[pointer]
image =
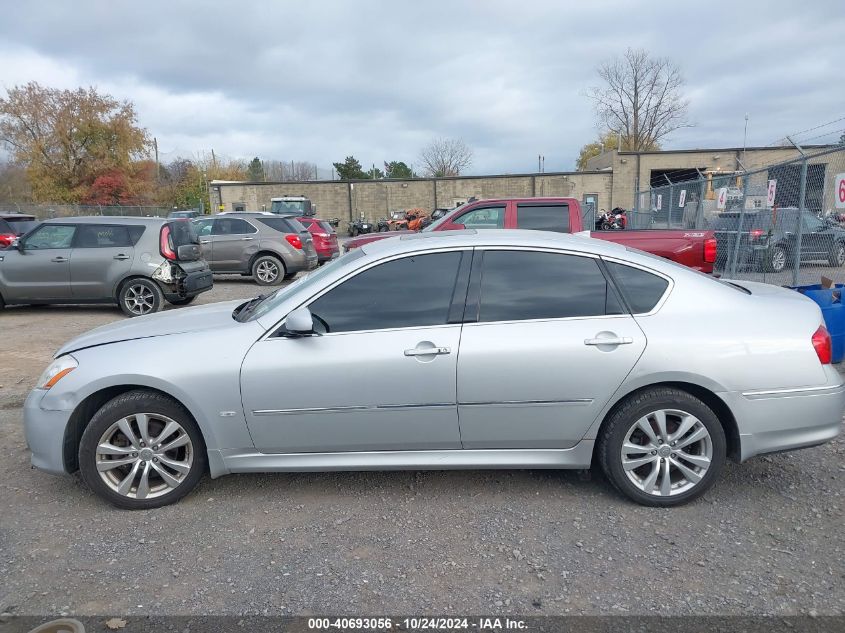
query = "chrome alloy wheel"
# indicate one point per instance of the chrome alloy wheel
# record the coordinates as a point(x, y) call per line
point(267, 271)
point(139, 299)
point(667, 452)
point(778, 260)
point(144, 455)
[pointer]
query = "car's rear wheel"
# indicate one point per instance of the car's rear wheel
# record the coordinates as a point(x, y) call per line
point(836, 256)
point(353, 231)
point(138, 297)
point(142, 450)
point(182, 302)
point(663, 447)
point(776, 260)
point(268, 270)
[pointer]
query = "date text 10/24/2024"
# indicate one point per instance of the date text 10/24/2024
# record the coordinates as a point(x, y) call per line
point(418, 624)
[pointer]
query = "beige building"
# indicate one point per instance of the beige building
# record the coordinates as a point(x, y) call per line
point(610, 180)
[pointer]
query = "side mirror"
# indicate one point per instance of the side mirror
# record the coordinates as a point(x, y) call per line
point(300, 322)
point(18, 244)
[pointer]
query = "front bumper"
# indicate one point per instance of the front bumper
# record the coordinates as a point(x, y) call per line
point(45, 433)
point(787, 419)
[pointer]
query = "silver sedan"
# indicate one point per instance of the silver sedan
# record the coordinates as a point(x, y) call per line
point(502, 349)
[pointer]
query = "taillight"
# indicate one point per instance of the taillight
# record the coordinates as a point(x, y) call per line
point(164, 244)
point(756, 234)
point(710, 250)
point(294, 241)
point(822, 345)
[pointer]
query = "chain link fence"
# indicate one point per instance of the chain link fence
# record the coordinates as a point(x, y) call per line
point(783, 223)
point(48, 211)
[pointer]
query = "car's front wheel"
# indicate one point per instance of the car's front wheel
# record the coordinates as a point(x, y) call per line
point(268, 270)
point(662, 447)
point(142, 450)
point(138, 297)
point(776, 260)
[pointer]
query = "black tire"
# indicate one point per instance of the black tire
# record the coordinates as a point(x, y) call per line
point(182, 302)
point(268, 270)
point(353, 231)
point(775, 260)
point(2, 303)
point(383, 229)
point(139, 297)
point(127, 405)
point(836, 256)
point(605, 226)
point(620, 424)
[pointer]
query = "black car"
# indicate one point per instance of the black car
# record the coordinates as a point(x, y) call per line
point(768, 239)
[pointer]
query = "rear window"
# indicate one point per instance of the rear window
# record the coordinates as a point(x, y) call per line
point(21, 227)
point(181, 232)
point(543, 217)
point(641, 289)
point(283, 225)
point(5, 228)
point(328, 228)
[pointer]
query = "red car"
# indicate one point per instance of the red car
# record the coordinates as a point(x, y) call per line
point(13, 225)
point(695, 248)
point(324, 236)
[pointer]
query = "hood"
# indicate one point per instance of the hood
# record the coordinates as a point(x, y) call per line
point(208, 317)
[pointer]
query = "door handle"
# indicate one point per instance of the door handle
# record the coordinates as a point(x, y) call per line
point(428, 351)
point(121, 256)
point(59, 259)
point(247, 239)
point(618, 340)
point(205, 241)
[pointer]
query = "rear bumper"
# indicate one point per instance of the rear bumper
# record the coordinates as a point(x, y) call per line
point(787, 419)
point(300, 260)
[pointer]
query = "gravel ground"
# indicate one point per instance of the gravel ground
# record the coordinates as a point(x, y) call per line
point(766, 540)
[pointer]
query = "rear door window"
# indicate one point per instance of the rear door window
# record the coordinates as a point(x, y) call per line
point(522, 285)
point(642, 289)
point(232, 226)
point(539, 217)
point(102, 236)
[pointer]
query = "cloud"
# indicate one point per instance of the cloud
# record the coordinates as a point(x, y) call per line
point(321, 80)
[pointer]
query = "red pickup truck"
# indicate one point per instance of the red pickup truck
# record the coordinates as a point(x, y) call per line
point(693, 248)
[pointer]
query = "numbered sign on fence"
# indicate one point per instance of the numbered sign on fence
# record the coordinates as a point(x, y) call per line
point(770, 193)
point(682, 198)
point(659, 204)
point(839, 191)
point(722, 198)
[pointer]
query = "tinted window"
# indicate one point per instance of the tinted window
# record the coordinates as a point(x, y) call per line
point(203, 227)
point(181, 232)
point(518, 285)
point(22, 226)
point(232, 226)
point(326, 227)
point(543, 218)
point(102, 236)
point(408, 292)
point(642, 289)
point(5, 228)
point(487, 218)
point(282, 225)
point(51, 236)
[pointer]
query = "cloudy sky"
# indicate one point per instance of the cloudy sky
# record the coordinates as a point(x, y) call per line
point(318, 80)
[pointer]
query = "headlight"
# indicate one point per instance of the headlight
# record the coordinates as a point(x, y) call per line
point(57, 370)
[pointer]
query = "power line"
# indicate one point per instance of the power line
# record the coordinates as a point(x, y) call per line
point(811, 129)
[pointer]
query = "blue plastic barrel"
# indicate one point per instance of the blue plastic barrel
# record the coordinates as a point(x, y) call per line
point(833, 310)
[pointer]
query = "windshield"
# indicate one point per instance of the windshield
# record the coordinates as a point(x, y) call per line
point(302, 207)
point(277, 298)
point(433, 226)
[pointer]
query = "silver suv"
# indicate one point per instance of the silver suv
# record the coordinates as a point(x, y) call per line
point(137, 263)
point(268, 246)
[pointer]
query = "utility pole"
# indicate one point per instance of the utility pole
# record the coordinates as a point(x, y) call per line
point(213, 159)
point(158, 169)
point(744, 137)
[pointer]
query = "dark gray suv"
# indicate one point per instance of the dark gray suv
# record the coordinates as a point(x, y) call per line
point(268, 246)
point(137, 263)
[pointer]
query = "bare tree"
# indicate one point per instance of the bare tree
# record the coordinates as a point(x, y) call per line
point(445, 157)
point(289, 171)
point(641, 99)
